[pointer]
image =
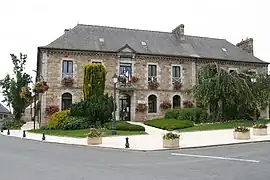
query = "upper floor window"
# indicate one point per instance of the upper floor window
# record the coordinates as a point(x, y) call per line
point(176, 74)
point(67, 68)
point(152, 72)
point(125, 69)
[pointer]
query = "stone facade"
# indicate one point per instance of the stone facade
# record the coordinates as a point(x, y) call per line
point(51, 70)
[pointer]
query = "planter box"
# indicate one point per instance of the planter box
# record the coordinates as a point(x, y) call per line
point(259, 131)
point(241, 135)
point(94, 141)
point(170, 143)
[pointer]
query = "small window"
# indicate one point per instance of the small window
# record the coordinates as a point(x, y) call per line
point(66, 101)
point(152, 104)
point(67, 68)
point(152, 72)
point(176, 74)
point(96, 62)
point(5, 115)
point(231, 70)
point(1, 116)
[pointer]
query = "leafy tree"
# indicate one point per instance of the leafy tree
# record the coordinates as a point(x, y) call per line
point(12, 86)
point(231, 95)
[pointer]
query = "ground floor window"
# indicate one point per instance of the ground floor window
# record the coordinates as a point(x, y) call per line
point(66, 101)
point(176, 101)
point(152, 104)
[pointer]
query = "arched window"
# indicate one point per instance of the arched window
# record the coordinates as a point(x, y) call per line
point(152, 104)
point(176, 101)
point(66, 101)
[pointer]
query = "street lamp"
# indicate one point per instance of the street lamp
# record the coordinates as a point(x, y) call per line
point(253, 80)
point(115, 80)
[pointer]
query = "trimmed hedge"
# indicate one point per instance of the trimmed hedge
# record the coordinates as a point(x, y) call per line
point(197, 115)
point(124, 126)
point(169, 124)
point(73, 123)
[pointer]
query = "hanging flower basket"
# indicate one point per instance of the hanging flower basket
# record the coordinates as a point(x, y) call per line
point(134, 79)
point(51, 109)
point(41, 87)
point(68, 81)
point(177, 85)
point(188, 104)
point(153, 85)
point(141, 107)
point(26, 93)
point(165, 105)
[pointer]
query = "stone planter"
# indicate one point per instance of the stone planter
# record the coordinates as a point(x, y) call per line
point(259, 131)
point(241, 135)
point(170, 143)
point(94, 140)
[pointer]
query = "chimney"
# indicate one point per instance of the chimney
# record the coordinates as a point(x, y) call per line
point(246, 45)
point(179, 32)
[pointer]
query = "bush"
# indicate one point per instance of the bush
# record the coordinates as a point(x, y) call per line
point(96, 109)
point(124, 126)
point(197, 115)
point(73, 123)
point(57, 119)
point(12, 125)
point(169, 124)
point(171, 135)
point(93, 132)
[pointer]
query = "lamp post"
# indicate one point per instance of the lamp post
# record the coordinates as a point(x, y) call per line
point(115, 80)
point(253, 80)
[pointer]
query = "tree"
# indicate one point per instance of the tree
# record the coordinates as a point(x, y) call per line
point(94, 80)
point(231, 95)
point(13, 86)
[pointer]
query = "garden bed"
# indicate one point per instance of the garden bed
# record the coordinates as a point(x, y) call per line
point(169, 124)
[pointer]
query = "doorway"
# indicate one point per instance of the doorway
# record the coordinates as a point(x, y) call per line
point(124, 107)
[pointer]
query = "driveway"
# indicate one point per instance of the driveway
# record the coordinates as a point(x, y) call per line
point(31, 160)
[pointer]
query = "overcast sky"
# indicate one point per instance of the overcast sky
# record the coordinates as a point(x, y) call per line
point(27, 24)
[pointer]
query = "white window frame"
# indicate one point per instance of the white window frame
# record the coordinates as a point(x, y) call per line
point(234, 69)
point(63, 75)
point(153, 77)
point(181, 73)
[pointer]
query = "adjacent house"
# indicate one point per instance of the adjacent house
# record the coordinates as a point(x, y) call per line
point(154, 68)
point(4, 112)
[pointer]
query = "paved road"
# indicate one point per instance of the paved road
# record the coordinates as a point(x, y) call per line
point(30, 160)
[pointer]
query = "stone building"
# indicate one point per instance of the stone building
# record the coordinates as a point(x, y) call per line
point(168, 58)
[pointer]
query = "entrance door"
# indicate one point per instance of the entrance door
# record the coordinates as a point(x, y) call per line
point(124, 107)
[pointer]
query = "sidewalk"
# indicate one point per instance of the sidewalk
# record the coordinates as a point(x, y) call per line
point(152, 141)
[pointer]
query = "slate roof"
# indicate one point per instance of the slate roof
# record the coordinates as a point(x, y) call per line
point(87, 37)
point(3, 109)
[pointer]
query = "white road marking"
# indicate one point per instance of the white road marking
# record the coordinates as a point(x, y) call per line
point(215, 157)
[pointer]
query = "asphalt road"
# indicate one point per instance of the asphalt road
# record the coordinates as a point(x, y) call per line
point(31, 160)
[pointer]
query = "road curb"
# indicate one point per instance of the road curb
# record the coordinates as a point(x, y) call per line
point(139, 150)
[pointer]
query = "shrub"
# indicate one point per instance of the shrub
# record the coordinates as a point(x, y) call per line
point(12, 125)
point(94, 133)
point(56, 120)
point(241, 129)
point(171, 135)
point(259, 126)
point(169, 124)
point(96, 109)
point(73, 123)
point(197, 115)
point(124, 126)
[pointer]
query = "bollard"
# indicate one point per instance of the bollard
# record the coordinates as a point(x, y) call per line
point(127, 143)
point(2, 130)
point(43, 137)
point(24, 135)
point(8, 132)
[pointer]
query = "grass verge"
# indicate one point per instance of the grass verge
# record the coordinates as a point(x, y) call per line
point(82, 132)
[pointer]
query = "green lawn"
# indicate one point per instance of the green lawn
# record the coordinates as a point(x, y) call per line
point(218, 126)
point(83, 132)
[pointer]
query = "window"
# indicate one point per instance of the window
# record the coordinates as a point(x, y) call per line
point(176, 101)
point(152, 104)
point(1, 116)
point(152, 72)
point(231, 70)
point(66, 101)
point(176, 74)
point(125, 69)
point(67, 68)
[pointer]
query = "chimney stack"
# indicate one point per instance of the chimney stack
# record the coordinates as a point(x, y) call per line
point(179, 32)
point(246, 45)
point(66, 30)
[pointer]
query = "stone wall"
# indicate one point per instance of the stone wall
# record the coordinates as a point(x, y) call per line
point(52, 73)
